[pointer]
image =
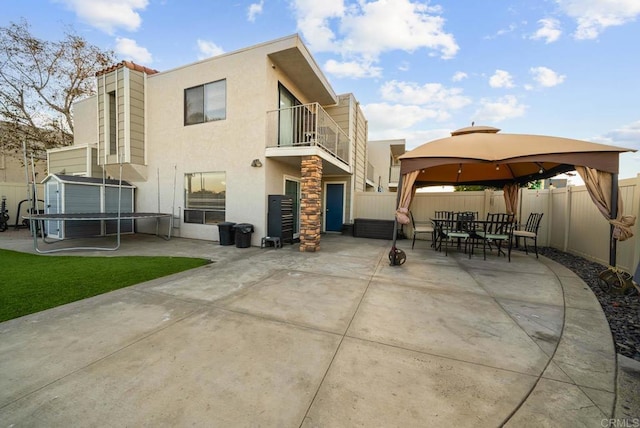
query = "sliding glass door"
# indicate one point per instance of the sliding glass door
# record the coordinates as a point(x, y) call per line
point(287, 125)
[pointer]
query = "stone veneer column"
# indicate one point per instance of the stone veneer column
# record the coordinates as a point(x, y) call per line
point(310, 203)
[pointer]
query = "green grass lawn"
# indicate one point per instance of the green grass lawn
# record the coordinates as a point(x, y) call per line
point(31, 283)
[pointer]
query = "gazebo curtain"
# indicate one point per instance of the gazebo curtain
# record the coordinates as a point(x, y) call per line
point(511, 198)
point(598, 185)
point(406, 195)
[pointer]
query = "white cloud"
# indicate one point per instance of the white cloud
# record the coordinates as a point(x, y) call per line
point(629, 137)
point(433, 95)
point(384, 116)
point(501, 79)
point(549, 30)
point(594, 16)
point(546, 77)
point(365, 29)
point(386, 25)
point(413, 137)
point(129, 49)
point(497, 110)
point(459, 75)
point(353, 69)
point(208, 49)
point(313, 21)
point(108, 15)
point(511, 28)
point(254, 10)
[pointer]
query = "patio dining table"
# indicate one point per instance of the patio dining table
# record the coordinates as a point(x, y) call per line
point(477, 229)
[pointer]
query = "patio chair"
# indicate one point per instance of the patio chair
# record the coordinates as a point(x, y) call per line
point(530, 231)
point(497, 229)
point(421, 228)
point(439, 221)
point(458, 228)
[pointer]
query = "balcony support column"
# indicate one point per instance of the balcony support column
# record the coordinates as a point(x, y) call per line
point(310, 203)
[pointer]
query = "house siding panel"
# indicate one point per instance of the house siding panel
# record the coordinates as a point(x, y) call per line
point(70, 161)
point(136, 117)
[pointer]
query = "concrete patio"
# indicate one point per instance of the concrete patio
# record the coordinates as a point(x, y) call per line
point(337, 338)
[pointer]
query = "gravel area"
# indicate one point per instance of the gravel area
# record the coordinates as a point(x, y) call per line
point(622, 312)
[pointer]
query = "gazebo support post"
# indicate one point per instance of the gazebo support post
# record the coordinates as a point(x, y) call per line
point(614, 214)
point(397, 257)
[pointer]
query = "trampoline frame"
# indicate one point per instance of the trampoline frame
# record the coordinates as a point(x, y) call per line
point(91, 217)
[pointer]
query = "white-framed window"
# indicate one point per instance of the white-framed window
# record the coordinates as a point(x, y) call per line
point(205, 103)
point(205, 195)
point(113, 123)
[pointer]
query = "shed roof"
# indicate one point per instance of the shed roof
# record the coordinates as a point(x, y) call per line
point(128, 64)
point(77, 179)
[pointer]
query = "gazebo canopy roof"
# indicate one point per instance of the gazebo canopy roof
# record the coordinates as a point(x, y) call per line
point(482, 155)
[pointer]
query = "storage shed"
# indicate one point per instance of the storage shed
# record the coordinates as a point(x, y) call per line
point(68, 194)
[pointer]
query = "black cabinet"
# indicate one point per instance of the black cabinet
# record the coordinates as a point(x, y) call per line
point(280, 217)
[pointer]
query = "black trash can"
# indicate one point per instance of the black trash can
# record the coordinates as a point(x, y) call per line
point(243, 234)
point(227, 233)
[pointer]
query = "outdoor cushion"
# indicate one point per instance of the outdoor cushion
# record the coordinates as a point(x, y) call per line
point(524, 233)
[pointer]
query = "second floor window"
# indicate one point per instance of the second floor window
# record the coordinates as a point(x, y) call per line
point(205, 103)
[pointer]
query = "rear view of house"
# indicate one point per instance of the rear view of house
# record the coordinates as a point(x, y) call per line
point(210, 141)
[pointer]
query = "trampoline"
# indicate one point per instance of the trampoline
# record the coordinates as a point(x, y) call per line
point(41, 218)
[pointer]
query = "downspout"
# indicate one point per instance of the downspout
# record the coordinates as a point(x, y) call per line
point(355, 165)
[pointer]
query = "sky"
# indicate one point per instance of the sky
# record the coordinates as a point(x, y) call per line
point(420, 69)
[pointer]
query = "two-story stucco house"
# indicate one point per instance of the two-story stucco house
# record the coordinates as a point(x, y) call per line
point(210, 141)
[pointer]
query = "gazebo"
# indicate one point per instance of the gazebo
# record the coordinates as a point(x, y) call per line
point(481, 155)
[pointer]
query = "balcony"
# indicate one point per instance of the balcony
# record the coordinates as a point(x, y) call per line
point(371, 181)
point(394, 175)
point(307, 130)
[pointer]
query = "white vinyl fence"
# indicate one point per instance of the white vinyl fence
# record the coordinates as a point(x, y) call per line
point(571, 221)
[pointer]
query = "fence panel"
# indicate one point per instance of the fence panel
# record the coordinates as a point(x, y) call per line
point(571, 221)
point(380, 206)
point(16, 192)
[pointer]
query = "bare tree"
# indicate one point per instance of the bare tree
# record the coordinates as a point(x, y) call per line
point(39, 82)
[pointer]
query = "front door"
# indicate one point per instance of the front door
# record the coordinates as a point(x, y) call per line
point(334, 207)
point(52, 206)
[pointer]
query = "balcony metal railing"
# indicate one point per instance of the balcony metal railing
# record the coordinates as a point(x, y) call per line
point(307, 125)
